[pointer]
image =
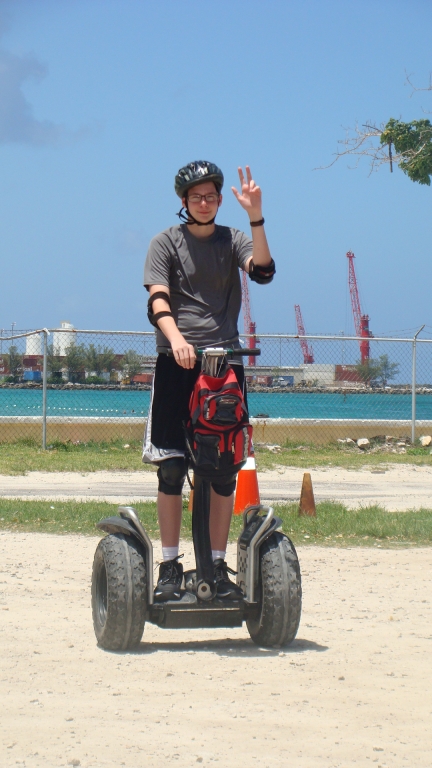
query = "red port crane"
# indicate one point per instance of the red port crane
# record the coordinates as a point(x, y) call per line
point(361, 322)
point(307, 350)
point(249, 325)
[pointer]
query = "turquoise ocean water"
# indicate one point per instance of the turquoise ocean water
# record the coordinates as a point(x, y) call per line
point(119, 404)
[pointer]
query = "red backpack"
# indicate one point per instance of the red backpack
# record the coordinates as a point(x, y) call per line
point(219, 433)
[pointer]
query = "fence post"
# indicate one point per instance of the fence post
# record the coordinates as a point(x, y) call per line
point(413, 385)
point(44, 387)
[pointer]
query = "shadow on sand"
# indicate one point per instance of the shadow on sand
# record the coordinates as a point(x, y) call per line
point(226, 647)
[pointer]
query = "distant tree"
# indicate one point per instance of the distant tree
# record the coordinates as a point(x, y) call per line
point(380, 370)
point(108, 360)
point(413, 146)
point(131, 363)
point(75, 362)
point(408, 145)
point(14, 363)
point(55, 363)
point(368, 371)
point(387, 370)
point(100, 359)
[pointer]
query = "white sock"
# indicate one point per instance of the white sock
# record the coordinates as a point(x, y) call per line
point(169, 553)
point(218, 553)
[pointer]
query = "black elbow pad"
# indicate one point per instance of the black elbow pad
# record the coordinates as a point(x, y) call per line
point(262, 275)
point(153, 318)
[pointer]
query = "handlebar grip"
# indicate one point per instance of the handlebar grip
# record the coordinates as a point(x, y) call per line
point(237, 352)
point(255, 352)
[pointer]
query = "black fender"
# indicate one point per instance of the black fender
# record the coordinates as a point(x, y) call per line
point(128, 523)
point(120, 525)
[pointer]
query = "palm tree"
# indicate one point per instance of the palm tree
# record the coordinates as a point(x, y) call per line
point(100, 359)
point(131, 363)
point(15, 363)
point(75, 362)
point(55, 364)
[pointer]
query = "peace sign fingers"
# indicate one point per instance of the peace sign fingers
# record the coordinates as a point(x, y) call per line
point(249, 180)
point(250, 197)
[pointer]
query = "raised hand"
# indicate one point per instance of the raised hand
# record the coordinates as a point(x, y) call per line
point(250, 197)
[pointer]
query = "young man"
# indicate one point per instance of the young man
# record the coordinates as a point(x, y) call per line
point(191, 273)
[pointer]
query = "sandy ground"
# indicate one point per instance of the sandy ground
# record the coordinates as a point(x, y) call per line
point(394, 487)
point(353, 689)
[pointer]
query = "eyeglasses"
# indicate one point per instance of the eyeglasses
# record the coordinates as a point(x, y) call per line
point(211, 198)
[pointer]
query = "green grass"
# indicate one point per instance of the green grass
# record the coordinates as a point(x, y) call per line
point(27, 456)
point(334, 525)
point(308, 456)
point(67, 517)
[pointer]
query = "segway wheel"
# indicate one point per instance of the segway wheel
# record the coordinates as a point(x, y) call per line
point(119, 593)
point(277, 618)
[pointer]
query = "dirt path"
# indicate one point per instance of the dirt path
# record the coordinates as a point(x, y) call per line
point(394, 487)
point(353, 689)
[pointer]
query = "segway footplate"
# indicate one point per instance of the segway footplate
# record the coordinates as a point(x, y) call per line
point(189, 613)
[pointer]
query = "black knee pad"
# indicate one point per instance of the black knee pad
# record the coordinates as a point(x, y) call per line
point(225, 486)
point(171, 475)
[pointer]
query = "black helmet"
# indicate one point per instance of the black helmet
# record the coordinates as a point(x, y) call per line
point(197, 172)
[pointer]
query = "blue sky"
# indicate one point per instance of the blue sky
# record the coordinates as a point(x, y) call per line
point(101, 101)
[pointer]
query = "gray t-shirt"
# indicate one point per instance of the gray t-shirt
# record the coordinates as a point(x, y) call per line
point(204, 281)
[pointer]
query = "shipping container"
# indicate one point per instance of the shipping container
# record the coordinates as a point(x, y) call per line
point(264, 381)
point(142, 378)
point(348, 373)
point(32, 376)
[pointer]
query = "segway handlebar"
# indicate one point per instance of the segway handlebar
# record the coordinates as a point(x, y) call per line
point(219, 351)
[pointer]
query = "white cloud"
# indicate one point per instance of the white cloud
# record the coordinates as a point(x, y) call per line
point(17, 121)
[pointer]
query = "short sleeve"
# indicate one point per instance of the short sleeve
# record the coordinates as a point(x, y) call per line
point(243, 247)
point(158, 262)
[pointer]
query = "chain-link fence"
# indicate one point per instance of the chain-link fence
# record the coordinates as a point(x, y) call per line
point(71, 385)
point(320, 389)
point(82, 386)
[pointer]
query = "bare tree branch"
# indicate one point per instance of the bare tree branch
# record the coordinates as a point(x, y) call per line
point(414, 90)
point(414, 87)
point(360, 143)
point(396, 142)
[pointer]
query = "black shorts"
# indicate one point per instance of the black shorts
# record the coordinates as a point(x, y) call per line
point(172, 388)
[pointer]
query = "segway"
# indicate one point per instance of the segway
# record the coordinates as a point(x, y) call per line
point(268, 570)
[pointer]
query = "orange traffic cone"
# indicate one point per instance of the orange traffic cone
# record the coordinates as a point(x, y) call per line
point(307, 501)
point(247, 491)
